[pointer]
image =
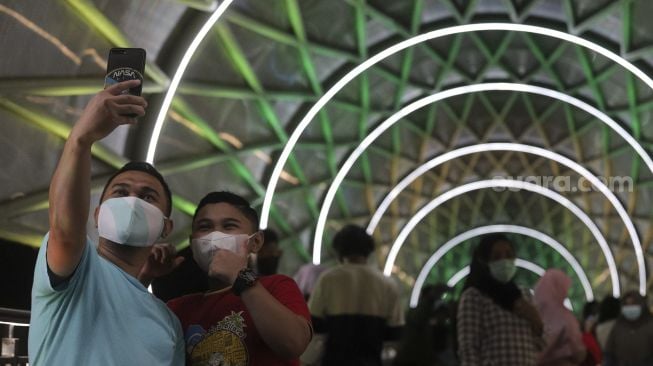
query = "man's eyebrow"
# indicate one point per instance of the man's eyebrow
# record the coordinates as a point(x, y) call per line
point(119, 185)
point(147, 189)
point(202, 221)
point(231, 219)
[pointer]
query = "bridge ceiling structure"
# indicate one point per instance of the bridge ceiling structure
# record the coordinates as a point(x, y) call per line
point(270, 98)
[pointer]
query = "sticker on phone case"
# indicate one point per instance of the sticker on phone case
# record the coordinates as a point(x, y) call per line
point(123, 74)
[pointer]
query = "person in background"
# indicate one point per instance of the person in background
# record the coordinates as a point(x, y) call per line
point(243, 319)
point(608, 313)
point(429, 335)
point(267, 258)
point(631, 340)
point(88, 307)
point(562, 333)
point(306, 277)
point(354, 304)
point(187, 278)
point(496, 325)
point(590, 320)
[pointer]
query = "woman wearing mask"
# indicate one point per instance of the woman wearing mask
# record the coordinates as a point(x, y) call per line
point(631, 341)
point(496, 324)
point(589, 321)
point(564, 342)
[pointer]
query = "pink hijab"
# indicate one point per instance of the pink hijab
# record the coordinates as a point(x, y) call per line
point(561, 329)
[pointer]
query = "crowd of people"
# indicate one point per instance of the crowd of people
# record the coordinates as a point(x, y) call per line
point(226, 303)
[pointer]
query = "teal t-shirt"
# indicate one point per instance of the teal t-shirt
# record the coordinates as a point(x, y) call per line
point(100, 316)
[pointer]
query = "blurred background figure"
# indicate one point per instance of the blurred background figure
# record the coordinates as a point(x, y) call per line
point(609, 311)
point(631, 340)
point(562, 333)
point(590, 321)
point(354, 305)
point(428, 338)
point(307, 276)
point(496, 325)
point(186, 279)
point(267, 259)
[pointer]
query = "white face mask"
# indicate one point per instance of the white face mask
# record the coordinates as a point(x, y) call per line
point(130, 221)
point(203, 248)
point(503, 270)
point(631, 312)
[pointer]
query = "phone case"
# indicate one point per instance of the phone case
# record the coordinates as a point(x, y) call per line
point(125, 64)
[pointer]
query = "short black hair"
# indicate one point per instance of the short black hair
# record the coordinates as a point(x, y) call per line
point(590, 308)
point(233, 199)
point(352, 241)
point(609, 309)
point(147, 168)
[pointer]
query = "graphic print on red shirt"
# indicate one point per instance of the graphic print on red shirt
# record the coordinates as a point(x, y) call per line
point(220, 331)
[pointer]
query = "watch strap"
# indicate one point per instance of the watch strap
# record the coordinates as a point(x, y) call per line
point(246, 278)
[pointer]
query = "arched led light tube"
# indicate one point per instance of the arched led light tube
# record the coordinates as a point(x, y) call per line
point(521, 230)
point(505, 183)
point(374, 134)
point(274, 178)
point(521, 263)
point(480, 148)
point(480, 27)
point(179, 73)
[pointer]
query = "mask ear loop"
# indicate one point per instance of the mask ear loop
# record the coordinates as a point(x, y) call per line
point(252, 235)
point(163, 231)
point(251, 256)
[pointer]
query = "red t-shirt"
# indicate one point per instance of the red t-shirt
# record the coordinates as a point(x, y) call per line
point(218, 328)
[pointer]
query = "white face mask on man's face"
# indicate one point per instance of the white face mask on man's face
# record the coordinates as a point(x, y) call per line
point(130, 221)
point(204, 247)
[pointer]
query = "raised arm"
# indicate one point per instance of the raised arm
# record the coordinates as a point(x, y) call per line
point(70, 185)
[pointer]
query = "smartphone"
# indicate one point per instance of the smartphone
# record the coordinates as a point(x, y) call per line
point(126, 64)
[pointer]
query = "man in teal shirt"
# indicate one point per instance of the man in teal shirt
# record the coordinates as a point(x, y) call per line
point(88, 307)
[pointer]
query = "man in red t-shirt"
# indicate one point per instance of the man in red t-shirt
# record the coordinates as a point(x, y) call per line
point(243, 319)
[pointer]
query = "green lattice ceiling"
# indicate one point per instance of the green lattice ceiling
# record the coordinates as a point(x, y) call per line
point(266, 62)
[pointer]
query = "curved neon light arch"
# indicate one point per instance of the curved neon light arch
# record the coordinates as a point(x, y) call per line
point(505, 183)
point(179, 73)
point(222, 7)
point(515, 229)
point(320, 103)
point(516, 87)
point(454, 154)
point(521, 263)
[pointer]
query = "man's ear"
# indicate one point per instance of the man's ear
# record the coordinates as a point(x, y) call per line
point(256, 242)
point(168, 225)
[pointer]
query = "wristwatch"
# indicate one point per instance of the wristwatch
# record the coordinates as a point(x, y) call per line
point(246, 278)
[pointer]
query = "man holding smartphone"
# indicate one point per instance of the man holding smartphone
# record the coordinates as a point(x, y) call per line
point(88, 307)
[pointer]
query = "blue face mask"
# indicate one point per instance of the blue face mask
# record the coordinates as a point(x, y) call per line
point(503, 270)
point(631, 312)
point(130, 221)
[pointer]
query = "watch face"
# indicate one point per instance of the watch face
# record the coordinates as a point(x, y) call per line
point(246, 279)
point(248, 275)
